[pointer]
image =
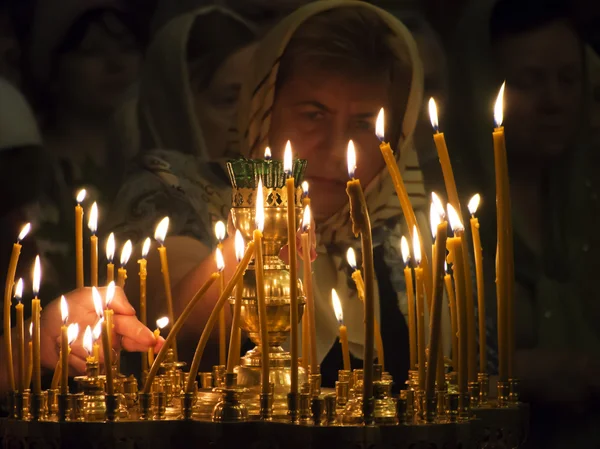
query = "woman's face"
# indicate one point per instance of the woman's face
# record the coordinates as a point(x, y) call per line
point(217, 106)
point(94, 77)
point(319, 112)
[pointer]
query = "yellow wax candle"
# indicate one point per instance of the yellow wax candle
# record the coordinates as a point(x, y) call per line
point(235, 336)
point(305, 324)
point(110, 254)
point(10, 279)
point(453, 322)
point(407, 210)
point(106, 348)
point(305, 197)
point(20, 336)
point(435, 367)
point(93, 227)
point(361, 224)
point(57, 371)
point(62, 366)
point(79, 238)
point(308, 287)
point(36, 310)
point(125, 255)
point(66, 340)
point(504, 257)
point(88, 344)
point(96, 334)
point(410, 299)
point(293, 264)
point(30, 362)
point(160, 324)
point(159, 235)
point(420, 310)
point(143, 273)
point(220, 235)
point(473, 205)
point(337, 308)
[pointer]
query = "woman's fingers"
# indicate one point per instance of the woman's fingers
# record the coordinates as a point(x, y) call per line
point(76, 365)
point(135, 336)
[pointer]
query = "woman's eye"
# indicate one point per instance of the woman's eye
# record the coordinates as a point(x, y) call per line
point(314, 115)
point(365, 125)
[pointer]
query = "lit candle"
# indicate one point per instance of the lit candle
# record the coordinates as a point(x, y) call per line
point(453, 318)
point(305, 197)
point(308, 287)
point(96, 334)
point(35, 318)
point(30, 364)
point(360, 290)
point(160, 235)
point(143, 276)
point(79, 238)
point(160, 324)
point(435, 366)
point(98, 306)
point(20, 335)
point(93, 227)
point(88, 343)
point(305, 323)
point(69, 337)
point(410, 299)
point(473, 205)
point(407, 210)
point(236, 332)
point(64, 337)
point(109, 313)
point(361, 224)
point(110, 255)
point(504, 258)
point(125, 255)
point(456, 257)
point(420, 309)
point(106, 348)
point(337, 308)
point(220, 235)
point(10, 280)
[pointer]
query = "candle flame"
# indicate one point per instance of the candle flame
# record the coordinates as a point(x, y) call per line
point(24, 231)
point(37, 276)
point(436, 213)
point(287, 159)
point(97, 302)
point(146, 247)
point(351, 258)
point(160, 234)
point(433, 115)
point(259, 217)
point(81, 196)
point(337, 306)
point(439, 205)
point(305, 188)
point(268, 154)
point(161, 323)
point(30, 329)
point(93, 220)
point(110, 247)
point(219, 259)
point(306, 217)
point(499, 107)
point(379, 125)
point(239, 245)
point(405, 250)
point(72, 332)
point(64, 309)
point(88, 342)
point(19, 289)
point(220, 231)
point(455, 222)
point(474, 203)
point(110, 292)
point(126, 252)
point(445, 267)
point(416, 245)
point(97, 332)
point(351, 157)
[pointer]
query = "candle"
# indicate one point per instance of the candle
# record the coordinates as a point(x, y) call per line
point(473, 205)
point(337, 308)
point(125, 255)
point(360, 290)
point(79, 238)
point(93, 227)
point(35, 318)
point(453, 318)
point(58, 370)
point(420, 309)
point(143, 276)
point(410, 299)
point(236, 334)
point(305, 323)
point(100, 312)
point(189, 388)
point(110, 255)
point(260, 287)
point(504, 257)
point(361, 224)
point(159, 235)
point(435, 366)
point(71, 336)
point(160, 324)
point(20, 336)
point(106, 348)
point(456, 257)
point(96, 334)
point(109, 313)
point(407, 210)
point(88, 343)
point(30, 364)
point(308, 287)
point(10, 279)
point(305, 197)
point(220, 235)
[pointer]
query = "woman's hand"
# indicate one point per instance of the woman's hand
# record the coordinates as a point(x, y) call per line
point(129, 333)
